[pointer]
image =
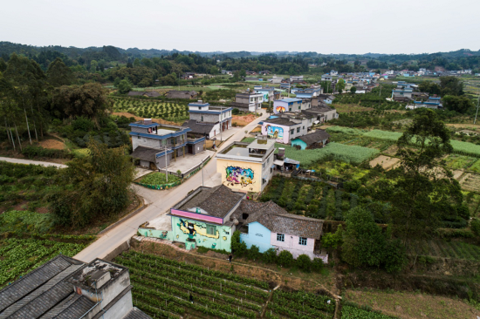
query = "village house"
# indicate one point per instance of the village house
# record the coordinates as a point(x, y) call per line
point(64, 287)
point(269, 226)
point(433, 102)
point(173, 94)
point(247, 166)
point(155, 145)
point(317, 139)
point(326, 77)
point(321, 114)
point(326, 98)
point(285, 127)
point(248, 101)
point(275, 80)
point(287, 105)
point(269, 93)
point(204, 115)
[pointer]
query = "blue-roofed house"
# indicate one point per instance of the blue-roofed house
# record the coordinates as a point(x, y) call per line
point(287, 105)
point(156, 145)
point(433, 102)
point(269, 93)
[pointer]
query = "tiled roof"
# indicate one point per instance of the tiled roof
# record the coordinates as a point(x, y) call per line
point(216, 201)
point(281, 121)
point(278, 220)
point(145, 153)
point(198, 127)
point(136, 314)
point(77, 307)
point(314, 137)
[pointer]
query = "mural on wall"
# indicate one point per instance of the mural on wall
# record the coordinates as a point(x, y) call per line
point(238, 175)
point(274, 132)
point(193, 229)
point(280, 109)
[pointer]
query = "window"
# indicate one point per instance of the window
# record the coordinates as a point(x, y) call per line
point(211, 230)
point(201, 119)
point(299, 107)
point(302, 241)
point(303, 128)
point(298, 129)
point(199, 107)
point(292, 131)
point(280, 237)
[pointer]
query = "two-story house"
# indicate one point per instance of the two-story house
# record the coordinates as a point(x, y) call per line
point(248, 101)
point(285, 128)
point(208, 120)
point(287, 105)
point(156, 145)
point(269, 93)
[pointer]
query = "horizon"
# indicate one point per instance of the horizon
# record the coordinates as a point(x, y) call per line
point(341, 27)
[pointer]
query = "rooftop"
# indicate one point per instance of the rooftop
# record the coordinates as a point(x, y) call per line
point(289, 99)
point(258, 149)
point(217, 201)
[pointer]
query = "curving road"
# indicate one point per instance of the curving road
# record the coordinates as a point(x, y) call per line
point(159, 203)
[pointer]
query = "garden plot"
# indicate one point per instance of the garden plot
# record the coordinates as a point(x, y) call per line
point(448, 249)
point(457, 162)
point(170, 111)
point(163, 288)
point(475, 167)
point(299, 305)
point(470, 182)
point(385, 161)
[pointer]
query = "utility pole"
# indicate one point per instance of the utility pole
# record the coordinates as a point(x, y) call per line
point(476, 113)
point(221, 124)
point(166, 162)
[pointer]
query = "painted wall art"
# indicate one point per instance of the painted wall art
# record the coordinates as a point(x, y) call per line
point(238, 175)
point(274, 132)
point(280, 109)
point(194, 229)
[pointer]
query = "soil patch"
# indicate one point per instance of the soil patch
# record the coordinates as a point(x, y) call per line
point(42, 210)
point(385, 161)
point(52, 144)
point(243, 120)
point(412, 305)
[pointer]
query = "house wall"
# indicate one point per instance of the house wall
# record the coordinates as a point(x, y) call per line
point(156, 143)
point(281, 133)
point(280, 107)
point(232, 172)
point(209, 118)
point(161, 162)
point(258, 235)
point(291, 244)
point(120, 308)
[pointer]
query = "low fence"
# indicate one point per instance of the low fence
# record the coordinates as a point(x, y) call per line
point(183, 177)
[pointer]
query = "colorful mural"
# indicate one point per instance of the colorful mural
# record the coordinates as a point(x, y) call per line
point(280, 109)
point(238, 175)
point(274, 132)
point(193, 229)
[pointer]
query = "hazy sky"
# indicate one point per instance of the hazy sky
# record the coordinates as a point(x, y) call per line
point(332, 26)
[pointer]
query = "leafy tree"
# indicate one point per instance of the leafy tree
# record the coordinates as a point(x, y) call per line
point(353, 89)
point(426, 189)
point(285, 258)
point(430, 87)
point(89, 100)
point(59, 74)
point(363, 242)
point(95, 186)
point(237, 247)
point(333, 240)
point(304, 262)
point(124, 86)
point(451, 85)
point(93, 66)
point(116, 82)
point(3, 65)
point(395, 256)
point(460, 104)
point(341, 85)
point(270, 256)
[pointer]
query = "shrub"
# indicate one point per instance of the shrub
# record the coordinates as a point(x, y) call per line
point(304, 262)
point(237, 247)
point(254, 253)
point(317, 264)
point(475, 226)
point(270, 256)
point(235, 111)
point(285, 258)
point(83, 124)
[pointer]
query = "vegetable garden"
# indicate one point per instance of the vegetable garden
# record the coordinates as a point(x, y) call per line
point(300, 305)
point(169, 111)
point(20, 255)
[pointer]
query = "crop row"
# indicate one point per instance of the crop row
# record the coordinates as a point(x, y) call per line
point(350, 312)
point(319, 302)
point(189, 276)
point(217, 274)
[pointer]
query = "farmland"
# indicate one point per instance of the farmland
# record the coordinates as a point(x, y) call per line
point(169, 111)
point(448, 249)
point(21, 255)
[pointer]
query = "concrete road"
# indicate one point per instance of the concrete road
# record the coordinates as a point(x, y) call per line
point(159, 203)
point(27, 162)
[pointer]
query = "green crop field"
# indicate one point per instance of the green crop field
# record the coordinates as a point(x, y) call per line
point(455, 161)
point(162, 289)
point(449, 249)
point(350, 312)
point(19, 256)
point(169, 111)
point(476, 166)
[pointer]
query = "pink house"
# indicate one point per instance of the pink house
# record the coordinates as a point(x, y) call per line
point(267, 225)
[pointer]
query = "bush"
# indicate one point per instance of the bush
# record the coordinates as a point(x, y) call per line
point(317, 264)
point(475, 226)
point(254, 253)
point(237, 247)
point(304, 262)
point(285, 258)
point(270, 256)
point(83, 124)
point(38, 151)
point(235, 111)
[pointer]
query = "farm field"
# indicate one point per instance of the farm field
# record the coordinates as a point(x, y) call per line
point(454, 161)
point(475, 167)
point(347, 108)
point(449, 249)
point(385, 161)
point(168, 111)
point(406, 305)
point(19, 256)
point(470, 182)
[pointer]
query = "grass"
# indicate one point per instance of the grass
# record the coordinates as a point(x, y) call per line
point(158, 178)
point(80, 152)
point(412, 305)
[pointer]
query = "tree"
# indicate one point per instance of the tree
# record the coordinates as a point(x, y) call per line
point(363, 242)
point(116, 82)
point(460, 104)
point(341, 85)
point(353, 89)
point(425, 189)
point(430, 87)
point(89, 100)
point(124, 86)
point(59, 74)
point(451, 85)
point(94, 187)
point(93, 66)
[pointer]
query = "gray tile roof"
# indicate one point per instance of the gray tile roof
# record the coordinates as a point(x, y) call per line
point(145, 153)
point(281, 121)
point(317, 136)
point(136, 314)
point(199, 127)
point(23, 287)
point(217, 201)
point(278, 220)
point(77, 308)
